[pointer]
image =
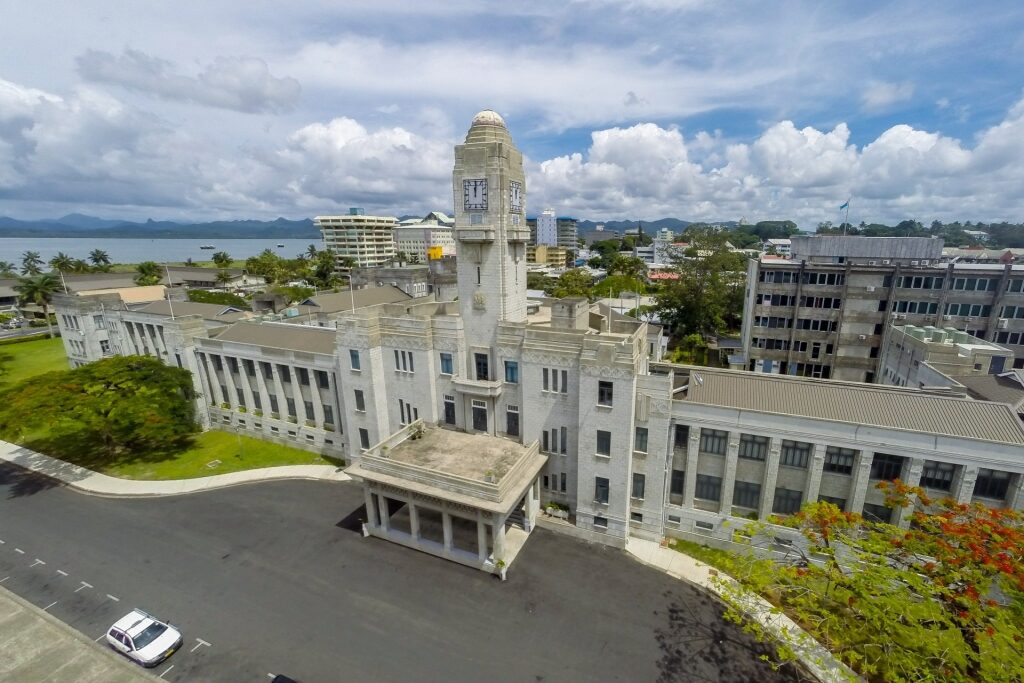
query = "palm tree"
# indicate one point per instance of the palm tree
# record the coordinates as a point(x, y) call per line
point(80, 266)
point(61, 262)
point(311, 250)
point(98, 257)
point(7, 269)
point(224, 278)
point(148, 273)
point(222, 259)
point(39, 290)
point(30, 263)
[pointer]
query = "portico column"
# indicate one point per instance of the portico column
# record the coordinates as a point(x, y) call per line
point(771, 475)
point(371, 513)
point(729, 476)
point(499, 539)
point(913, 478)
point(859, 485)
point(385, 517)
point(481, 538)
point(446, 525)
point(963, 485)
point(229, 381)
point(692, 452)
point(246, 381)
point(815, 468)
point(279, 395)
point(414, 521)
point(316, 396)
point(214, 380)
point(261, 388)
point(300, 403)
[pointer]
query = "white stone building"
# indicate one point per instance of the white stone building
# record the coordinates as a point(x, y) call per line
point(462, 417)
point(425, 238)
point(366, 240)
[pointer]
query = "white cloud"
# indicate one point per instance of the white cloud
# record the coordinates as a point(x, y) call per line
point(880, 95)
point(239, 83)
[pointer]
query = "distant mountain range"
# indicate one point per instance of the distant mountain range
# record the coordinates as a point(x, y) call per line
point(80, 225)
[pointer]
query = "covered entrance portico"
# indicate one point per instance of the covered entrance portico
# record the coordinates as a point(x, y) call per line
point(469, 498)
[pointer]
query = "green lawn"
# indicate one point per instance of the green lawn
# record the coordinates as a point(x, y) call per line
point(233, 452)
point(27, 359)
point(720, 559)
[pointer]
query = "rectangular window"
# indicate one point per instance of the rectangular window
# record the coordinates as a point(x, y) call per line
point(240, 395)
point(233, 364)
point(636, 517)
point(268, 372)
point(682, 437)
point(482, 363)
point(795, 453)
point(217, 365)
point(746, 494)
point(787, 501)
point(105, 350)
point(250, 367)
point(562, 482)
point(937, 475)
point(447, 366)
point(708, 487)
point(360, 400)
point(562, 448)
point(511, 372)
point(713, 441)
point(753, 447)
point(838, 502)
point(322, 379)
point(601, 522)
point(604, 393)
point(639, 482)
point(291, 407)
point(401, 412)
point(877, 513)
point(839, 460)
point(256, 402)
point(600, 490)
point(353, 359)
point(886, 467)
point(285, 373)
point(544, 374)
point(328, 414)
point(364, 438)
point(640, 440)
point(310, 415)
point(545, 441)
point(565, 381)
point(992, 484)
point(398, 362)
point(449, 410)
point(303, 374)
point(604, 442)
point(678, 482)
point(512, 420)
point(273, 404)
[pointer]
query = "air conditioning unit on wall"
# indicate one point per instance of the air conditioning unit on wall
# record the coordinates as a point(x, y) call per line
point(1003, 323)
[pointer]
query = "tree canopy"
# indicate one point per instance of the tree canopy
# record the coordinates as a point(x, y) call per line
point(940, 601)
point(39, 290)
point(124, 404)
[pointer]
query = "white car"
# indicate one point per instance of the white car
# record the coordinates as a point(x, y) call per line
point(144, 638)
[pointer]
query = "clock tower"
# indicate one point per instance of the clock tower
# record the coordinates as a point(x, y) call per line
point(490, 236)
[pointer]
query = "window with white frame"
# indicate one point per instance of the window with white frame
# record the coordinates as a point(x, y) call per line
point(713, 441)
point(795, 453)
point(604, 442)
point(746, 494)
point(753, 447)
point(639, 483)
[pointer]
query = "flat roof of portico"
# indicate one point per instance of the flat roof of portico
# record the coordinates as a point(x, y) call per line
point(478, 470)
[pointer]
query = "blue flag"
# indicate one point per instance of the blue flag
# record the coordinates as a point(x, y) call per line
point(845, 204)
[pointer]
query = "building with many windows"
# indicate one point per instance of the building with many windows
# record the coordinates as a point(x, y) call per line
point(362, 240)
point(556, 231)
point(461, 418)
point(826, 311)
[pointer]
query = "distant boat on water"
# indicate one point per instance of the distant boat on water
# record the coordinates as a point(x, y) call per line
point(207, 246)
point(280, 246)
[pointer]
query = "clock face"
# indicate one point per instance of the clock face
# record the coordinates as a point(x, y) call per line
point(474, 194)
point(515, 198)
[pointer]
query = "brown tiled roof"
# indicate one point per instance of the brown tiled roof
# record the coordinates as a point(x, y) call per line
point(281, 336)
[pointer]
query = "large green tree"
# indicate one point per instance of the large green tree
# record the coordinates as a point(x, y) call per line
point(31, 263)
point(707, 297)
point(942, 601)
point(128, 405)
point(62, 262)
point(39, 290)
point(148, 273)
point(573, 282)
point(221, 259)
point(99, 258)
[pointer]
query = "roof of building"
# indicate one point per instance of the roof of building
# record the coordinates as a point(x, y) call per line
point(134, 295)
point(488, 117)
point(281, 336)
point(1007, 387)
point(342, 301)
point(181, 274)
point(851, 402)
point(218, 312)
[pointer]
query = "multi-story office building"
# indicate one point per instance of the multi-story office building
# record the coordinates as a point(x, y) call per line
point(556, 257)
point(364, 240)
point(461, 417)
point(427, 238)
point(558, 231)
point(825, 312)
point(937, 358)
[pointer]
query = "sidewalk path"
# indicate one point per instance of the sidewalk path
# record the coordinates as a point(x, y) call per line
point(815, 657)
point(100, 484)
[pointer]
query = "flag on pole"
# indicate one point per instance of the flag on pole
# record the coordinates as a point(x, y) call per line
point(845, 205)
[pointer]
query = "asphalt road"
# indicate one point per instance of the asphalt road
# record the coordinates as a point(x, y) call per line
point(266, 579)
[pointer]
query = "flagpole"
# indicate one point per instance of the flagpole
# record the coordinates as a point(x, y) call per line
point(167, 272)
point(846, 221)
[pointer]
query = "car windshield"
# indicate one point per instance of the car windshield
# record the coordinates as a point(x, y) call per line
point(152, 632)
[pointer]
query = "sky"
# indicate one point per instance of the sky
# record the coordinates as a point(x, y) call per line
point(625, 109)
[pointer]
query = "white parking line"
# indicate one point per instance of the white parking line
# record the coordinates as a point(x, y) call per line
point(50, 605)
point(62, 572)
point(200, 643)
point(38, 561)
point(166, 670)
point(84, 585)
point(100, 638)
point(115, 599)
point(4, 579)
point(19, 551)
point(2, 541)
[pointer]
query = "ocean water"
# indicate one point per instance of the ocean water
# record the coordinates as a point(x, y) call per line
point(137, 250)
